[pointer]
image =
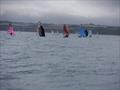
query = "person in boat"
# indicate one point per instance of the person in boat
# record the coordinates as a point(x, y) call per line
point(41, 30)
point(11, 30)
point(66, 31)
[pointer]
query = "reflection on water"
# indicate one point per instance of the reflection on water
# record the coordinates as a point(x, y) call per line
point(28, 62)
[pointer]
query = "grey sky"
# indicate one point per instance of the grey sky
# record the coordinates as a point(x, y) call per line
point(105, 12)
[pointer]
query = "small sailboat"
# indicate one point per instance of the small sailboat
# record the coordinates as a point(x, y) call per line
point(11, 30)
point(66, 31)
point(41, 30)
point(82, 32)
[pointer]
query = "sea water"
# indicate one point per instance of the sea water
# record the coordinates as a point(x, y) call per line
point(30, 62)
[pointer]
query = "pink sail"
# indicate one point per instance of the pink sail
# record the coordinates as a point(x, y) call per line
point(11, 31)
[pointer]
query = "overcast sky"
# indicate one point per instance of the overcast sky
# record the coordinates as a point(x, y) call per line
point(104, 12)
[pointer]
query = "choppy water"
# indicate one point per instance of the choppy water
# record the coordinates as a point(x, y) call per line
point(28, 62)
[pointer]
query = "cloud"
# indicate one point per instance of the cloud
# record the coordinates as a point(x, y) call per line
point(62, 11)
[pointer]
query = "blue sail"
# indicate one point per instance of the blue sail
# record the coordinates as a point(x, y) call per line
point(82, 32)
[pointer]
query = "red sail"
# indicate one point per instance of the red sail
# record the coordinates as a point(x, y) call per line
point(66, 31)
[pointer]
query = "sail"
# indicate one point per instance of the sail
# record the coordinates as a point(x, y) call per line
point(82, 32)
point(11, 30)
point(41, 31)
point(66, 31)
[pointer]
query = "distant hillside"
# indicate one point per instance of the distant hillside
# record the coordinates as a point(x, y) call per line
point(31, 27)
